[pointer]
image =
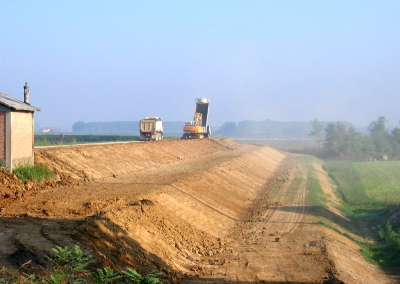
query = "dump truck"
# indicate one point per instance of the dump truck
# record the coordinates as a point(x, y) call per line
point(151, 129)
point(198, 127)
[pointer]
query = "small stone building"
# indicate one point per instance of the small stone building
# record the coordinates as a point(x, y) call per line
point(16, 131)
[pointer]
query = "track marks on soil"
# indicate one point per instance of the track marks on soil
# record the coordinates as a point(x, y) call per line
point(263, 249)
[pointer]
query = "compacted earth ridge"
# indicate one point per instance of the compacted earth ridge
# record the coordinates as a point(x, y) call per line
point(199, 211)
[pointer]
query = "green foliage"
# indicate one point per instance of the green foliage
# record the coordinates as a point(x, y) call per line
point(349, 183)
point(366, 185)
point(318, 131)
point(380, 136)
point(335, 138)
point(315, 196)
point(133, 276)
point(34, 173)
point(70, 266)
point(105, 275)
point(380, 180)
point(151, 278)
point(344, 141)
point(386, 252)
point(367, 189)
point(228, 129)
point(74, 258)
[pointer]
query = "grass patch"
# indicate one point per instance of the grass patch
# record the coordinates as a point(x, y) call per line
point(350, 187)
point(366, 186)
point(370, 191)
point(386, 251)
point(380, 180)
point(36, 173)
point(315, 195)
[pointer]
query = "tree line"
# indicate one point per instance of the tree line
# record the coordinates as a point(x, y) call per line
point(121, 127)
point(343, 140)
point(245, 129)
point(265, 129)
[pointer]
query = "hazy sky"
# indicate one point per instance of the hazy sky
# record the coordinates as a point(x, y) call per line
point(125, 60)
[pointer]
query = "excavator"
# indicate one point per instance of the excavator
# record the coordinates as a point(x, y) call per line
point(198, 128)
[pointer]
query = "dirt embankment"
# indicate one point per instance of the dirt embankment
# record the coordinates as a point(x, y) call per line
point(101, 162)
point(200, 211)
point(160, 205)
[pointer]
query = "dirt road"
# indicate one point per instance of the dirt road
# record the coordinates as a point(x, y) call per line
point(200, 211)
point(270, 246)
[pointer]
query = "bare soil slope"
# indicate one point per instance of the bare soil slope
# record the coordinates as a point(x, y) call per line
point(198, 210)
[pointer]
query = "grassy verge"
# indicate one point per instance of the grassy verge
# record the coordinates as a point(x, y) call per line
point(37, 173)
point(315, 197)
point(318, 201)
point(370, 192)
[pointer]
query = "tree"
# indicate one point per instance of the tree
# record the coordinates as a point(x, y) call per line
point(228, 128)
point(396, 141)
point(380, 136)
point(357, 146)
point(317, 132)
point(78, 126)
point(335, 139)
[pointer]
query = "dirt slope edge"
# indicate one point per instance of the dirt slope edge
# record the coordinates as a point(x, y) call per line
point(128, 223)
point(100, 162)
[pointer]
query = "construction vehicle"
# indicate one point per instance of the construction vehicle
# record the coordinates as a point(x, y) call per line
point(151, 129)
point(198, 128)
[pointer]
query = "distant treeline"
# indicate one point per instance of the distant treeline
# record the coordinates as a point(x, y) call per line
point(51, 139)
point(243, 129)
point(122, 127)
point(341, 141)
point(265, 129)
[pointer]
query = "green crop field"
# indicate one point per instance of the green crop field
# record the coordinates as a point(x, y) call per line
point(367, 185)
point(371, 192)
point(61, 139)
point(380, 180)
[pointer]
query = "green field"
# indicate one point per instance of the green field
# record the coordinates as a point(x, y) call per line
point(371, 192)
point(380, 180)
point(67, 139)
point(367, 185)
point(70, 139)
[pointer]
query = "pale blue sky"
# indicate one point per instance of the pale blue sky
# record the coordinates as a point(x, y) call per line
point(280, 60)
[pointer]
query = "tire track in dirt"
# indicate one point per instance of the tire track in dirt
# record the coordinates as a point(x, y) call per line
point(286, 215)
point(271, 246)
point(178, 209)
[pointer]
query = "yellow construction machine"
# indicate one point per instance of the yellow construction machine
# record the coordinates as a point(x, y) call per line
point(198, 128)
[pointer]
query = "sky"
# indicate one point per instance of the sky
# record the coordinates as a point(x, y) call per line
point(124, 60)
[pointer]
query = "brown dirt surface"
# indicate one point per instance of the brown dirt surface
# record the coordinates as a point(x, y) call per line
point(200, 211)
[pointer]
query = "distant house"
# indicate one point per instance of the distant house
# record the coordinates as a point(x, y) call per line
point(16, 131)
point(50, 129)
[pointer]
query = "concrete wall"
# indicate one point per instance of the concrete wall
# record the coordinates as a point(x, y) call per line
point(22, 135)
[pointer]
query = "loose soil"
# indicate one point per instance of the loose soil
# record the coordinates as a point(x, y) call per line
point(200, 211)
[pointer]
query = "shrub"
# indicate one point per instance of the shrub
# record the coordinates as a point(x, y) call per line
point(70, 266)
point(387, 250)
point(37, 173)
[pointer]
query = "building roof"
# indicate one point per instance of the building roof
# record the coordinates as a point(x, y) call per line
point(15, 104)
